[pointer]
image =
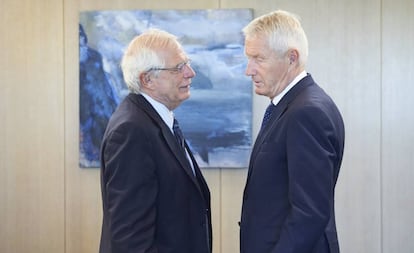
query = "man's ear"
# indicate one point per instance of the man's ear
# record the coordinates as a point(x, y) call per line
point(293, 56)
point(145, 79)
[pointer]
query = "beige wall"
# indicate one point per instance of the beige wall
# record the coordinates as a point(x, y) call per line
point(361, 52)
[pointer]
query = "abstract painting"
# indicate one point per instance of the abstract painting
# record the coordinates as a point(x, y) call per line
point(216, 119)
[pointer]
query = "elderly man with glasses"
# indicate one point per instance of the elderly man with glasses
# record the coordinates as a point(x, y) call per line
point(155, 198)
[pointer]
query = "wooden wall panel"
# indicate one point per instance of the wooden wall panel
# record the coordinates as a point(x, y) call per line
point(362, 58)
point(213, 178)
point(233, 181)
point(345, 60)
point(83, 202)
point(32, 116)
point(398, 125)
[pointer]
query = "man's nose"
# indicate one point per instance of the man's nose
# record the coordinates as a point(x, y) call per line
point(189, 71)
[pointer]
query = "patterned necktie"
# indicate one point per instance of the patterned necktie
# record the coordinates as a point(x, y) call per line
point(178, 134)
point(180, 139)
point(267, 115)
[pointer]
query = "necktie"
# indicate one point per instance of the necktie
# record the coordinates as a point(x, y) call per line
point(267, 115)
point(178, 134)
point(180, 139)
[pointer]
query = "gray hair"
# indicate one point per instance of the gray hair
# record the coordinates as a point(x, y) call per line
point(143, 53)
point(284, 32)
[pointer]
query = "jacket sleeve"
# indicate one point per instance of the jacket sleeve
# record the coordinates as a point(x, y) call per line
point(311, 154)
point(131, 188)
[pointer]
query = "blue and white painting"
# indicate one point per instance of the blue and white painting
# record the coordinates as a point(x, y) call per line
point(216, 119)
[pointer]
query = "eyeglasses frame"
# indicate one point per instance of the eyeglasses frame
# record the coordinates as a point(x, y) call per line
point(177, 69)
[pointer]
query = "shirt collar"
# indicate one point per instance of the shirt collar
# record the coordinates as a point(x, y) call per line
point(166, 115)
point(279, 97)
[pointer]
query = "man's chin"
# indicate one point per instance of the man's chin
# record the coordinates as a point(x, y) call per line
point(259, 91)
point(185, 96)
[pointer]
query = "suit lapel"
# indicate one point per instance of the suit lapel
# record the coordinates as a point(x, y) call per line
point(166, 132)
point(202, 184)
point(280, 109)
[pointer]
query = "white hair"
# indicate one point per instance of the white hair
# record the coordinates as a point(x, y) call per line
point(284, 32)
point(142, 54)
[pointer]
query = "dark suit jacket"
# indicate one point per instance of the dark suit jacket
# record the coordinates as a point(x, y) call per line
point(288, 201)
point(152, 202)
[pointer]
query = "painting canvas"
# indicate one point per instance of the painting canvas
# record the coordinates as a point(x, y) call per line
point(216, 119)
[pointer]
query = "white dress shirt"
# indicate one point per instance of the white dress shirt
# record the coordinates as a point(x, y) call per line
point(279, 97)
point(168, 117)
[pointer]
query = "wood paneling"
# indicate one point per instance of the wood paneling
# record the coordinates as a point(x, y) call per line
point(32, 116)
point(213, 178)
point(345, 60)
point(233, 181)
point(360, 52)
point(398, 125)
point(83, 201)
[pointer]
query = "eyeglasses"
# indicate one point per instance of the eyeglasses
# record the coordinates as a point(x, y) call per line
point(177, 69)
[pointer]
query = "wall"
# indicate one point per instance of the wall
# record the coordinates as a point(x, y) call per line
point(32, 116)
point(360, 52)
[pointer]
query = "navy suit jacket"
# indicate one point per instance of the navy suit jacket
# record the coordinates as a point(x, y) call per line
point(152, 202)
point(288, 201)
